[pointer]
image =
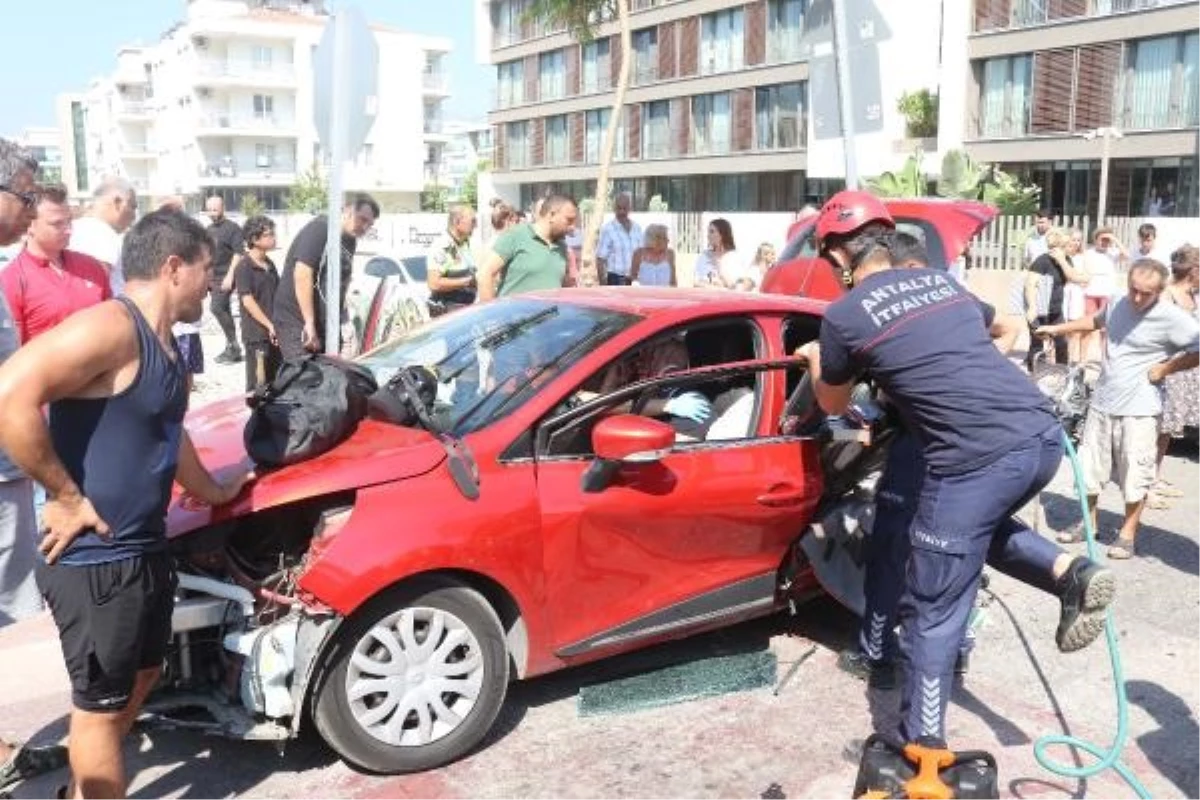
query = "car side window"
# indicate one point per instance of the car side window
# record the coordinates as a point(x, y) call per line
point(802, 245)
point(701, 407)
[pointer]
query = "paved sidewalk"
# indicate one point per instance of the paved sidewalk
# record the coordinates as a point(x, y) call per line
point(753, 744)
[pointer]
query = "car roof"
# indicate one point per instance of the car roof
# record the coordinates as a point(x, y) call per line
point(648, 301)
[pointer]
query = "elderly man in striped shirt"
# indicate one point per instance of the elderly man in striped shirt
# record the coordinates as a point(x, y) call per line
point(619, 238)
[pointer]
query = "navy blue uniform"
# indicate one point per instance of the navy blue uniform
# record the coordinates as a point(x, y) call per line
point(990, 442)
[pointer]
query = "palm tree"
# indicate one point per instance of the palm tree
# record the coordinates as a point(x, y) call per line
point(580, 17)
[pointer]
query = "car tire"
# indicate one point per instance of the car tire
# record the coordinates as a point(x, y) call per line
point(351, 709)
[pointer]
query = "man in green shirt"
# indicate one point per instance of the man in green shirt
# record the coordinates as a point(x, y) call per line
point(531, 257)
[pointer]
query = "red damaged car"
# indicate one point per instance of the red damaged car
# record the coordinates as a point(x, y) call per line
point(946, 226)
point(563, 498)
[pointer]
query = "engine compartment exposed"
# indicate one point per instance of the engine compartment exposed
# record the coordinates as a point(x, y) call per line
point(231, 661)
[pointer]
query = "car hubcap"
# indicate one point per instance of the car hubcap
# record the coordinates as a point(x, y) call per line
point(414, 677)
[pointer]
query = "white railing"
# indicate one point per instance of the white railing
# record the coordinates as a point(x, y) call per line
point(249, 168)
point(246, 122)
point(222, 68)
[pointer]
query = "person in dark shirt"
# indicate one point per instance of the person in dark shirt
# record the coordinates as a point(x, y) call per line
point(990, 441)
point(300, 303)
point(227, 241)
point(256, 280)
point(108, 452)
point(1053, 267)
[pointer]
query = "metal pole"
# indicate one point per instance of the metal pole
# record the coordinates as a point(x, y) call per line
point(841, 60)
point(1106, 136)
point(337, 148)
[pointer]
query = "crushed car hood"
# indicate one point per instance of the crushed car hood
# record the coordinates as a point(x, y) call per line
point(376, 453)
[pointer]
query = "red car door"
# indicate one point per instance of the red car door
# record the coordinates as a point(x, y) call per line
point(693, 540)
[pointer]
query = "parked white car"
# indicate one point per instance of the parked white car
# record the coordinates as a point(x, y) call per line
point(390, 296)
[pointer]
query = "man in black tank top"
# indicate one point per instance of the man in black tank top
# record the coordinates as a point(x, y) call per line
point(112, 447)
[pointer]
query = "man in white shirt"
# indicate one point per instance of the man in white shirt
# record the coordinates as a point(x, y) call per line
point(619, 238)
point(1036, 245)
point(98, 233)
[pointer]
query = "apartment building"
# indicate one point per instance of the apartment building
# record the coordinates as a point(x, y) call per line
point(1049, 77)
point(467, 146)
point(223, 104)
point(731, 107)
point(46, 146)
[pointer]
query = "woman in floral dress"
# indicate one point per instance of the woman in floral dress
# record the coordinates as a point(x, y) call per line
point(1181, 403)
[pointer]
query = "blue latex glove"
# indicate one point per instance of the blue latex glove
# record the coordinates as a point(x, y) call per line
point(689, 405)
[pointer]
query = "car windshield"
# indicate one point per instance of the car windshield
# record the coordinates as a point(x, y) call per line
point(490, 358)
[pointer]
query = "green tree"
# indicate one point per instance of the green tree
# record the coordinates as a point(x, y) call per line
point(470, 189)
point(434, 198)
point(309, 194)
point(960, 179)
point(920, 110)
point(252, 206)
point(580, 17)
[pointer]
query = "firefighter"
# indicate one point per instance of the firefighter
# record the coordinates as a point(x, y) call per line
point(989, 438)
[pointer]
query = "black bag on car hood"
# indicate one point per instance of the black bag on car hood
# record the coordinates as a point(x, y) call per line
point(313, 404)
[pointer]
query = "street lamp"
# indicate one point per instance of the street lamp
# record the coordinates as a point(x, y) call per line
point(1106, 135)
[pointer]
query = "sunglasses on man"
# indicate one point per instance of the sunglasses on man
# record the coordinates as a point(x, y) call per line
point(28, 199)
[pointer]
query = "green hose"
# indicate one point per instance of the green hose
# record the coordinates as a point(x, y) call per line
point(1111, 758)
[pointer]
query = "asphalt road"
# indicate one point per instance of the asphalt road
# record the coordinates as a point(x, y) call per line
point(750, 744)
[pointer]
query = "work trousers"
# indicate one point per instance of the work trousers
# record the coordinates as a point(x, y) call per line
point(963, 521)
point(887, 549)
point(223, 312)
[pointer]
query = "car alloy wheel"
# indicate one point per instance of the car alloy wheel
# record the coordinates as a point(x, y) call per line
point(414, 677)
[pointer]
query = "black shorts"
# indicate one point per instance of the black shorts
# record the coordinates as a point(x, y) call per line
point(113, 620)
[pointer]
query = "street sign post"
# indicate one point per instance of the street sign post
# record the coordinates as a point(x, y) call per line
point(345, 78)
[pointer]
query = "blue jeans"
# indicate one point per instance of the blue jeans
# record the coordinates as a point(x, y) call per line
point(963, 521)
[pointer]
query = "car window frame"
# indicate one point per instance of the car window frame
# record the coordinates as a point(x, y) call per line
point(581, 414)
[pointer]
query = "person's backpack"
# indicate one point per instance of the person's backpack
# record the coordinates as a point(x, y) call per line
point(313, 404)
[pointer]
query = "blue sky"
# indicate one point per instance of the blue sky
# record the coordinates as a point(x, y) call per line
point(53, 47)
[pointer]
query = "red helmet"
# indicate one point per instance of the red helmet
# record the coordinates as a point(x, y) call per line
point(850, 210)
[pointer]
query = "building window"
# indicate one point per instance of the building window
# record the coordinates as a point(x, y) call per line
point(645, 55)
point(506, 22)
point(557, 141)
point(261, 57)
point(722, 41)
point(518, 144)
point(552, 75)
point(711, 124)
point(595, 127)
point(597, 67)
point(780, 119)
point(656, 129)
point(511, 79)
point(1004, 98)
point(785, 24)
point(264, 106)
point(264, 156)
point(1151, 66)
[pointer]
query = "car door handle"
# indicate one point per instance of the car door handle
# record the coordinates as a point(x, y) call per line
point(782, 496)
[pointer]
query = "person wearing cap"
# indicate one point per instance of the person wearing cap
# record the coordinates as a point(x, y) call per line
point(989, 438)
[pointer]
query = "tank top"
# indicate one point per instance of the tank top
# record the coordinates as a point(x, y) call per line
point(655, 273)
point(122, 451)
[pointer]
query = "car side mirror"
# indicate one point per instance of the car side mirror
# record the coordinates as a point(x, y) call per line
point(625, 439)
point(632, 439)
point(381, 268)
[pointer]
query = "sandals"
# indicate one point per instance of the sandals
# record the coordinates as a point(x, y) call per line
point(1164, 488)
point(1121, 550)
point(26, 762)
point(1072, 535)
point(1158, 501)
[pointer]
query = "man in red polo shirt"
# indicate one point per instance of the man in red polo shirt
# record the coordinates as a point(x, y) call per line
point(47, 283)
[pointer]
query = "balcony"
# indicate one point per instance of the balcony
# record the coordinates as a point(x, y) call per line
point(435, 83)
point(134, 110)
point(137, 150)
point(258, 126)
point(231, 72)
point(434, 128)
point(228, 171)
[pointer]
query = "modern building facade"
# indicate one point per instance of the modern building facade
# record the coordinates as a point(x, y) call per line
point(1050, 79)
point(46, 146)
point(223, 104)
point(468, 146)
point(721, 113)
